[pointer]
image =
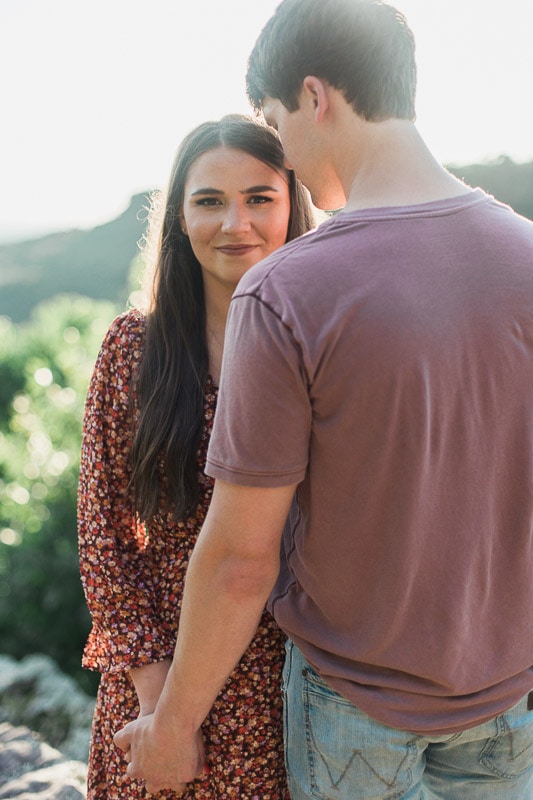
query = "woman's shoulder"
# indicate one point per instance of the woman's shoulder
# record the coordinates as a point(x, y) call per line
point(126, 328)
point(124, 340)
point(131, 323)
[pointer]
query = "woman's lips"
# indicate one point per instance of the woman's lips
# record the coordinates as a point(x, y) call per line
point(237, 249)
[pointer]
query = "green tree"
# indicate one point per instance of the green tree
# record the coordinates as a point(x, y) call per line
point(45, 366)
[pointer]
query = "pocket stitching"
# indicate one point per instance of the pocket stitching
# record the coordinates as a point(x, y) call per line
point(487, 757)
point(318, 688)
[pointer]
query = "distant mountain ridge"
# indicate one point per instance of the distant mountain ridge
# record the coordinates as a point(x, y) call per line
point(96, 262)
point(506, 180)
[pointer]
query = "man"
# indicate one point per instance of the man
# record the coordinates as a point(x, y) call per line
point(382, 368)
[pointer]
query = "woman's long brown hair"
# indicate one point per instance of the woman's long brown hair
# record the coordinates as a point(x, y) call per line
point(171, 379)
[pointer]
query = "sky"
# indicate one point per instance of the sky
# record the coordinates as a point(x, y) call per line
point(97, 95)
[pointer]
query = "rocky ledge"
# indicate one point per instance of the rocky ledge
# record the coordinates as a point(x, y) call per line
point(32, 770)
point(45, 722)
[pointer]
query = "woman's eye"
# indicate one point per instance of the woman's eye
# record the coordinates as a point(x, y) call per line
point(258, 199)
point(207, 201)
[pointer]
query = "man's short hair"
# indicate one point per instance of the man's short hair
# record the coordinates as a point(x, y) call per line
point(363, 48)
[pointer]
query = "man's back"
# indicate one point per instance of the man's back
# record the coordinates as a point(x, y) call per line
point(397, 348)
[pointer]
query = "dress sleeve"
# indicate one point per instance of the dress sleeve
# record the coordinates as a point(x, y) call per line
point(115, 559)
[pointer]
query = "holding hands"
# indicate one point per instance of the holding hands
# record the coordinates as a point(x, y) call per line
point(161, 754)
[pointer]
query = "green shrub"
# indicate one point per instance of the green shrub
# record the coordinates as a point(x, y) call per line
point(45, 366)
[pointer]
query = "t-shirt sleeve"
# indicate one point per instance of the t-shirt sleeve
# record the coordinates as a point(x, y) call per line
point(263, 419)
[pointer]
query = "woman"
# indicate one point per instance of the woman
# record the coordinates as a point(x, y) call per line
point(143, 494)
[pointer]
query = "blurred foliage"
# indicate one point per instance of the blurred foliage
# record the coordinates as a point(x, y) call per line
point(45, 367)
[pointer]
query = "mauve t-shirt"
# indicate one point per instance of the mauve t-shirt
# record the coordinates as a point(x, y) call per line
point(385, 364)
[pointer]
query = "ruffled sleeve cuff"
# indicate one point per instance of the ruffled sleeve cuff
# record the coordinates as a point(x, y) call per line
point(116, 652)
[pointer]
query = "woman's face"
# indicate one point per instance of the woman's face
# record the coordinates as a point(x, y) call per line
point(235, 212)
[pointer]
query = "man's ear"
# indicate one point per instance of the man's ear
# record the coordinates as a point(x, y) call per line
point(316, 92)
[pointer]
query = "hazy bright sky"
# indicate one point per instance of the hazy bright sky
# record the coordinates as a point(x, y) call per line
point(97, 95)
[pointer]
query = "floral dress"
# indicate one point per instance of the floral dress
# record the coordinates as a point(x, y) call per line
point(133, 580)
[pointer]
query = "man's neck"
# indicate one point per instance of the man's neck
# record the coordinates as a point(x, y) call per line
point(392, 166)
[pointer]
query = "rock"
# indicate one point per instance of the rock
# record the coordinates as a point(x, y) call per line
point(36, 694)
point(32, 770)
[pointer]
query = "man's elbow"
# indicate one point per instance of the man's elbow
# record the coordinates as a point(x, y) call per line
point(250, 577)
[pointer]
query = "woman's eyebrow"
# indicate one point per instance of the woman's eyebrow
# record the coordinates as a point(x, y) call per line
point(250, 190)
point(207, 190)
point(261, 188)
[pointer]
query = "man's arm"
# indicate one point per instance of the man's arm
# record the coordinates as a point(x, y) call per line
point(232, 570)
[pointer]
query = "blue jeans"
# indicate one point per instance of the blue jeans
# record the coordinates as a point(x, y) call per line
point(333, 750)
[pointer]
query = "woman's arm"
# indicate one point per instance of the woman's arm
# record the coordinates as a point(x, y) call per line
point(115, 558)
point(149, 681)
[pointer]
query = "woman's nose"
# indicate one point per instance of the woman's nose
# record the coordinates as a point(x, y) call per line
point(236, 218)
